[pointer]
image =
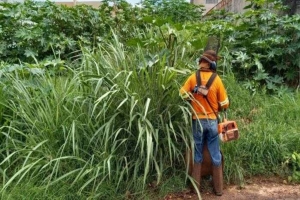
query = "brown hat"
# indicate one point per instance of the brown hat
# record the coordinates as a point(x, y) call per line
point(211, 55)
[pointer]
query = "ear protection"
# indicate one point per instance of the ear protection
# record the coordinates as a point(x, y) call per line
point(212, 64)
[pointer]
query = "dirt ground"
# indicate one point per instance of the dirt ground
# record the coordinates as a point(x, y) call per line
point(255, 189)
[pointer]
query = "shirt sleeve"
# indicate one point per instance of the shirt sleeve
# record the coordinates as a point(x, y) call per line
point(185, 90)
point(222, 95)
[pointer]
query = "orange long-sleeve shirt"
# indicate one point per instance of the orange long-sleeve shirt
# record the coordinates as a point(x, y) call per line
point(217, 96)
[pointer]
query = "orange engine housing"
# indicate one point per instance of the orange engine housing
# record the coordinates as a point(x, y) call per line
point(228, 130)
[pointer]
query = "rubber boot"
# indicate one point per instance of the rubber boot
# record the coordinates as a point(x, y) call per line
point(196, 174)
point(218, 180)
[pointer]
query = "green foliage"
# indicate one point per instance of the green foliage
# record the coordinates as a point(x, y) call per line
point(260, 45)
point(114, 121)
point(29, 32)
point(32, 191)
point(177, 11)
point(293, 164)
point(110, 123)
point(117, 124)
point(263, 46)
point(45, 30)
point(268, 132)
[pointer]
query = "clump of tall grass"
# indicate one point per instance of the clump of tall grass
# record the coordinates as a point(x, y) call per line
point(114, 120)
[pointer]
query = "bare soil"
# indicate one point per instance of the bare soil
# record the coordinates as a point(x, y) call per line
point(258, 188)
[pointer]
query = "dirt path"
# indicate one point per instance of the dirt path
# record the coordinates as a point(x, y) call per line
point(255, 189)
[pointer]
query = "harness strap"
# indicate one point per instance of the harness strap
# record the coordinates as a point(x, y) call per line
point(208, 84)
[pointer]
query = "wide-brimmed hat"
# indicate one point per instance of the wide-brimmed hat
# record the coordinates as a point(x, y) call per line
point(211, 55)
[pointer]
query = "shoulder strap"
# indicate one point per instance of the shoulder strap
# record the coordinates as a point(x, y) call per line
point(198, 78)
point(208, 84)
point(210, 80)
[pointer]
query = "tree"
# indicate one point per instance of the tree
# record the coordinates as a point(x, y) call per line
point(176, 10)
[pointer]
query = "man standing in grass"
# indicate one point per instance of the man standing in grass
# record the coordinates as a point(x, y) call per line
point(204, 117)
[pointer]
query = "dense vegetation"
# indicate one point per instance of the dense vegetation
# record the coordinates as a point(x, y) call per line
point(89, 97)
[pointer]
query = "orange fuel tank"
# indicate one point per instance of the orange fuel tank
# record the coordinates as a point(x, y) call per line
point(228, 130)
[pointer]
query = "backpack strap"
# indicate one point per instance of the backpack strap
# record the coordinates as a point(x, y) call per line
point(198, 77)
point(209, 82)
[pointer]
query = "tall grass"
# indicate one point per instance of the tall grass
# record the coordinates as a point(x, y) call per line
point(138, 110)
point(112, 125)
point(115, 125)
point(268, 130)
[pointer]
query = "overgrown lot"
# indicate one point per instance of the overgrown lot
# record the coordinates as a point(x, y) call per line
point(89, 100)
